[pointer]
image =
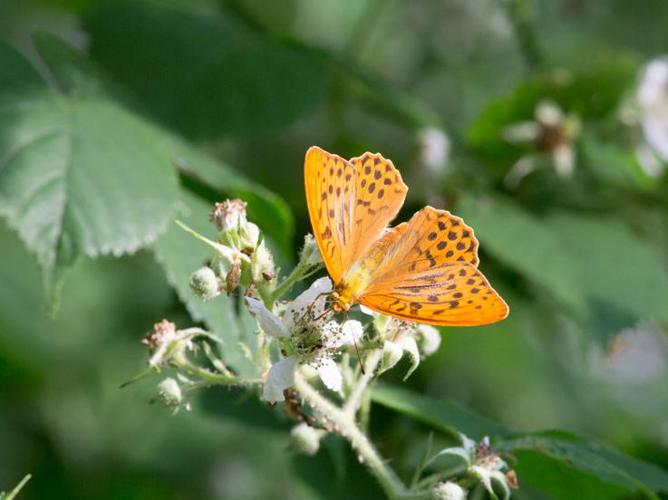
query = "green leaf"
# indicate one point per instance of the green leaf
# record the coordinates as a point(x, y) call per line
point(607, 465)
point(524, 243)
point(206, 75)
point(612, 265)
point(78, 175)
point(79, 76)
point(444, 415)
point(180, 254)
point(583, 260)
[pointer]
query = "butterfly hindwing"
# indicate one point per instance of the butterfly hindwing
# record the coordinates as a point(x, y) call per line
point(429, 275)
point(350, 203)
point(449, 295)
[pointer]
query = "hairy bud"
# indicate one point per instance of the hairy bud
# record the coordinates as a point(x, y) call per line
point(204, 283)
point(305, 439)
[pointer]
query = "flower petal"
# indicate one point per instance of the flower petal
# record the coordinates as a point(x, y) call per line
point(409, 345)
point(330, 374)
point(315, 293)
point(281, 376)
point(352, 332)
point(268, 321)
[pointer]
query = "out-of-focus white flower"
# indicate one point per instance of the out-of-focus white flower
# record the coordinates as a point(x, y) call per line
point(652, 96)
point(306, 337)
point(635, 355)
point(552, 132)
point(434, 149)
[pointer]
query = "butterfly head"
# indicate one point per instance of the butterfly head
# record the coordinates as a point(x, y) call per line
point(341, 301)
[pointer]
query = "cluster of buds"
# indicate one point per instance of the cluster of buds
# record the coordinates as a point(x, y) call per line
point(552, 133)
point(483, 465)
point(241, 256)
point(169, 346)
point(400, 338)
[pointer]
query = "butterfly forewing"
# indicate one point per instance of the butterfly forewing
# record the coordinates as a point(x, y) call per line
point(350, 203)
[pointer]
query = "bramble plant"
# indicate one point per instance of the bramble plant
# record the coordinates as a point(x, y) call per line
point(319, 366)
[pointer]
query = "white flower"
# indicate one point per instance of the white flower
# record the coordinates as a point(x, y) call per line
point(434, 149)
point(281, 376)
point(307, 337)
point(652, 95)
point(551, 132)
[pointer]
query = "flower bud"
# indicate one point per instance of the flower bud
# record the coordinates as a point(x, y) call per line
point(449, 491)
point(204, 283)
point(429, 339)
point(305, 439)
point(310, 253)
point(229, 215)
point(392, 353)
point(262, 264)
point(169, 392)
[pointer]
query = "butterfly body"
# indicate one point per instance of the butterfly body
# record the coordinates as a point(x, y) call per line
point(422, 270)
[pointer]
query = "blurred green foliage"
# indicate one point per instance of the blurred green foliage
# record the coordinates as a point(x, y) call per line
point(117, 117)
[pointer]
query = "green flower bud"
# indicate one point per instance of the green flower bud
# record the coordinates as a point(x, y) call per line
point(310, 253)
point(169, 392)
point(305, 439)
point(204, 283)
point(449, 491)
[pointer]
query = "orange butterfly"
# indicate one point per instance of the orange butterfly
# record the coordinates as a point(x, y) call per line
point(422, 270)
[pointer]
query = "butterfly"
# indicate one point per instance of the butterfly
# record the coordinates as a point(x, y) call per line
point(423, 270)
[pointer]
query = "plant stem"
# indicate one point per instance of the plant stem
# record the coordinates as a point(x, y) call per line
point(211, 378)
point(519, 13)
point(12, 494)
point(300, 272)
point(356, 395)
point(346, 426)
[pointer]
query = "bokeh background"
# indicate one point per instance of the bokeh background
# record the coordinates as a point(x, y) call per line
point(539, 122)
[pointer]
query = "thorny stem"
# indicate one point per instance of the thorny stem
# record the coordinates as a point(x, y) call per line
point(356, 395)
point(346, 426)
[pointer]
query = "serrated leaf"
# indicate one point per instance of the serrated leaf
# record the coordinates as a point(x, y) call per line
point(78, 76)
point(444, 415)
point(206, 75)
point(78, 175)
point(180, 254)
point(598, 460)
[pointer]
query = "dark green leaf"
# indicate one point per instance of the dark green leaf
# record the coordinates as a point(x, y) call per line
point(598, 460)
point(206, 75)
point(444, 415)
